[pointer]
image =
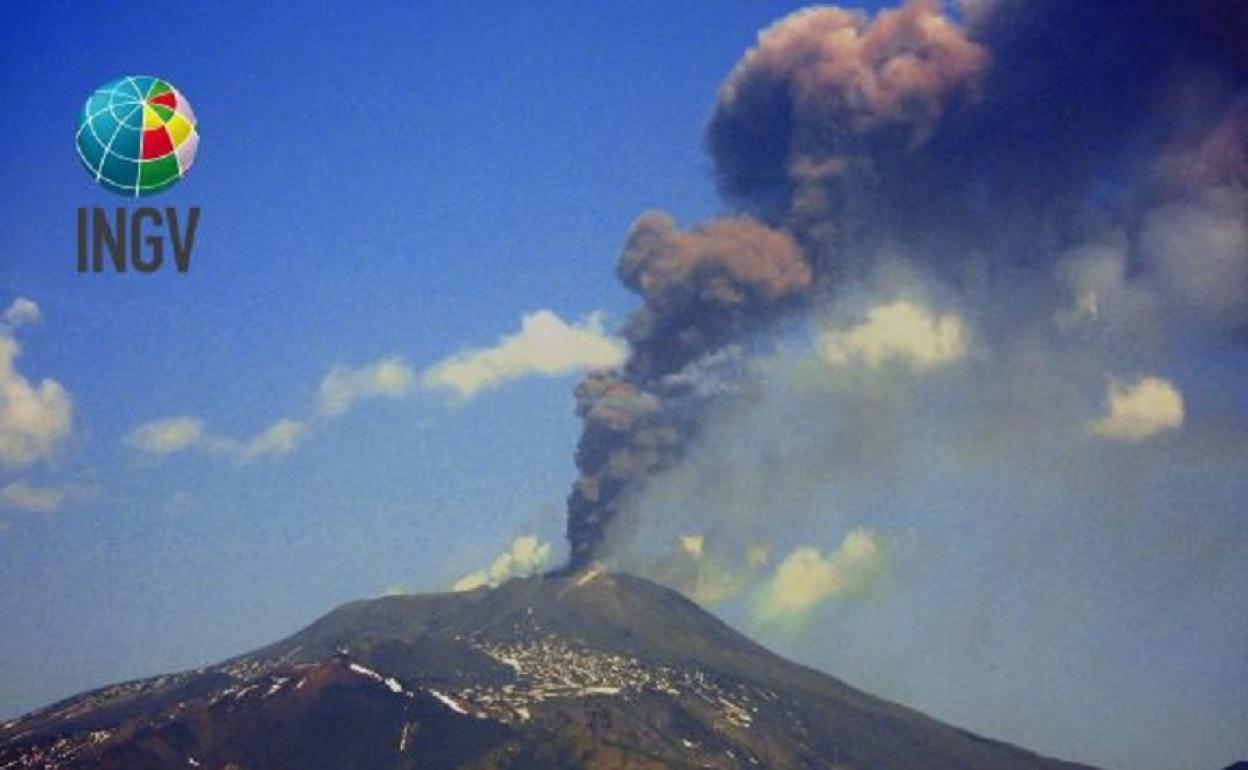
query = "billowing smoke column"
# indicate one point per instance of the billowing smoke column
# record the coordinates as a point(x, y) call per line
point(839, 133)
point(702, 290)
point(802, 121)
point(708, 287)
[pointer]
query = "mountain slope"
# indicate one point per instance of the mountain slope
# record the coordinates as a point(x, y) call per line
point(592, 671)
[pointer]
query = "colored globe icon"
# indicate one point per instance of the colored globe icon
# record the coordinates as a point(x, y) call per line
point(137, 135)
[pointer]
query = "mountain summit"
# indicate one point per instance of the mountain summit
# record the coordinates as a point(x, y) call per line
point(589, 670)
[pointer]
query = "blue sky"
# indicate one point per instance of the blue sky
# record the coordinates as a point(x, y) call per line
point(408, 183)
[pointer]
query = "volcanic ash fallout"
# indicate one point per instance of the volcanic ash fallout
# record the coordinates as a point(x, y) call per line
point(923, 190)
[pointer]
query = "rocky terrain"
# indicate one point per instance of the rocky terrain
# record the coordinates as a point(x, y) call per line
point(593, 670)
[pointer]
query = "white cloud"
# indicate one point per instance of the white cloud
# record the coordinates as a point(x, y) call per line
point(807, 578)
point(1141, 409)
point(705, 574)
point(545, 345)
point(23, 311)
point(175, 434)
point(33, 417)
point(897, 331)
point(21, 496)
point(339, 390)
point(344, 386)
point(279, 438)
point(525, 556)
point(166, 436)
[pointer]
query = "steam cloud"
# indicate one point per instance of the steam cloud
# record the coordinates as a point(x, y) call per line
point(908, 163)
point(806, 577)
point(525, 556)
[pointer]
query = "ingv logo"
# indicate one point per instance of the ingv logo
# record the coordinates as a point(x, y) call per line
point(137, 136)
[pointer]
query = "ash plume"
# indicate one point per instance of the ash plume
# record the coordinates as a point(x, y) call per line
point(702, 290)
point(882, 81)
point(983, 145)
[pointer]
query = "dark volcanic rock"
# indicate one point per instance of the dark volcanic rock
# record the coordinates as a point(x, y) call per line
point(591, 671)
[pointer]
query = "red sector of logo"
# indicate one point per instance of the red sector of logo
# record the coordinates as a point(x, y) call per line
point(156, 143)
point(167, 99)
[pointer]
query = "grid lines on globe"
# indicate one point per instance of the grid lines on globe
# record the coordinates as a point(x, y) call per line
point(137, 135)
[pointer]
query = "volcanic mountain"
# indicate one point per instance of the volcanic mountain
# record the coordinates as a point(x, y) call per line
point(589, 670)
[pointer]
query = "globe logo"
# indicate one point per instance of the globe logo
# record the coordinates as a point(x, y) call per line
point(137, 135)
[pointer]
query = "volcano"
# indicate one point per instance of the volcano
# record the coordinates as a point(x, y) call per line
point(588, 670)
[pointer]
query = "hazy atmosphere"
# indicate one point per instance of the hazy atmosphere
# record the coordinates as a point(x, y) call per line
point(908, 340)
